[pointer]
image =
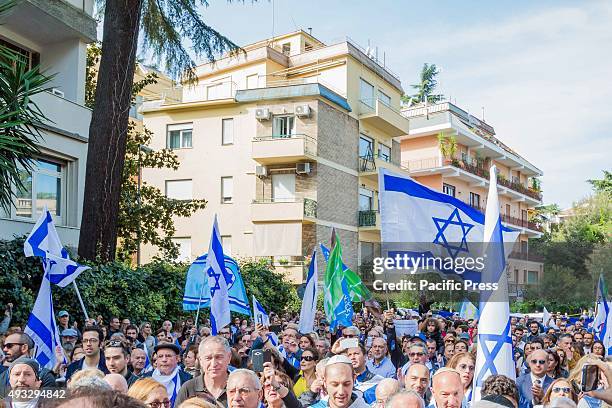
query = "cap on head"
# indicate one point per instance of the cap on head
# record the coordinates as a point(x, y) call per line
point(339, 358)
point(170, 346)
point(70, 332)
point(27, 361)
point(63, 313)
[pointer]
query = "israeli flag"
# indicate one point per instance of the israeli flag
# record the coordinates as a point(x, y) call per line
point(468, 310)
point(218, 282)
point(196, 284)
point(42, 327)
point(44, 242)
point(309, 301)
point(259, 313)
point(426, 224)
point(494, 353)
point(148, 366)
point(603, 319)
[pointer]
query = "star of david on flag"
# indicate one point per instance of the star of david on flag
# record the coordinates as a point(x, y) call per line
point(442, 225)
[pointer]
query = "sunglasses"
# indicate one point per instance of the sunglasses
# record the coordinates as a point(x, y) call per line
point(349, 336)
point(420, 354)
point(534, 361)
point(9, 345)
point(160, 404)
point(562, 389)
point(308, 358)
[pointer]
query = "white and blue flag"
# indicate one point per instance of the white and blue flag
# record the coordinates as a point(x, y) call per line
point(260, 316)
point(309, 301)
point(44, 242)
point(494, 353)
point(468, 310)
point(196, 284)
point(423, 224)
point(603, 319)
point(218, 282)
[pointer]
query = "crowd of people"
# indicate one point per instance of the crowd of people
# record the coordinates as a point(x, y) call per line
point(247, 365)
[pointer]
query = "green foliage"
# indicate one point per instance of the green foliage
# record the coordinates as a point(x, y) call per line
point(448, 145)
point(562, 289)
point(94, 53)
point(20, 119)
point(426, 87)
point(153, 292)
point(604, 185)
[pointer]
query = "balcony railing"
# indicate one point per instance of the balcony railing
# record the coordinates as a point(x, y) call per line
point(472, 167)
point(367, 218)
point(310, 205)
point(310, 143)
point(519, 222)
point(366, 163)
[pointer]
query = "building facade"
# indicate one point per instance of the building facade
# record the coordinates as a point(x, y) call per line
point(452, 151)
point(285, 141)
point(55, 35)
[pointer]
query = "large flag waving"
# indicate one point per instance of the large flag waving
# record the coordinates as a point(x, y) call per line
point(468, 310)
point(218, 282)
point(423, 223)
point(196, 285)
point(338, 306)
point(309, 301)
point(357, 289)
point(603, 319)
point(494, 353)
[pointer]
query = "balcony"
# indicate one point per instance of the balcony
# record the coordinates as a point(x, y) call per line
point(368, 167)
point(513, 221)
point(369, 219)
point(380, 115)
point(268, 150)
point(436, 165)
point(63, 114)
point(283, 210)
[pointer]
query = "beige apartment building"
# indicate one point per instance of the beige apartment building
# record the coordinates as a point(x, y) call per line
point(285, 141)
point(464, 174)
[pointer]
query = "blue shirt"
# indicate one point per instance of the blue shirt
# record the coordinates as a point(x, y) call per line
point(385, 368)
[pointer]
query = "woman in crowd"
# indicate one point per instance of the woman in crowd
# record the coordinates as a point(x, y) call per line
point(151, 392)
point(431, 329)
point(465, 363)
point(554, 365)
point(145, 336)
point(270, 395)
point(190, 361)
point(461, 346)
point(306, 341)
point(575, 378)
point(307, 375)
point(598, 349)
point(559, 388)
point(563, 363)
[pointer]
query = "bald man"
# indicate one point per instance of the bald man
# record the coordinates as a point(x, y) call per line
point(417, 379)
point(384, 390)
point(406, 399)
point(533, 385)
point(117, 382)
point(447, 389)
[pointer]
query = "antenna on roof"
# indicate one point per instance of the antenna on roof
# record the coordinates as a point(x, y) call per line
point(310, 31)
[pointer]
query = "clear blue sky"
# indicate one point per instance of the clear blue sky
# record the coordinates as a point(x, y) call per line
point(540, 69)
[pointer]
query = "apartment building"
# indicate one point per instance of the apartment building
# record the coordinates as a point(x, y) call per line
point(285, 141)
point(54, 34)
point(452, 151)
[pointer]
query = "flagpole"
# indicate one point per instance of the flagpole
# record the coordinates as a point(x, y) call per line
point(199, 302)
point(76, 289)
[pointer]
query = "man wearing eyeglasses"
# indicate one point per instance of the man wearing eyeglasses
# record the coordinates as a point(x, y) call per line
point(168, 371)
point(417, 354)
point(94, 358)
point(243, 389)
point(16, 346)
point(117, 357)
point(381, 364)
point(289, 348)
point(365, 380)
point(533, 385)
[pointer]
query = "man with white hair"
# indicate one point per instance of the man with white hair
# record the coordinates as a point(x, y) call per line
point(405, 399)
point(214, 354)
point(243, 389)
point(385, 389)
point(447, 389)
point(117, 382)
point(167, 370)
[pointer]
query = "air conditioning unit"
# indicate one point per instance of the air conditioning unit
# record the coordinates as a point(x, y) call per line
point(262, 114)
point(261, 171)
point(57, 92)
point(302, 168)
point(302, 111)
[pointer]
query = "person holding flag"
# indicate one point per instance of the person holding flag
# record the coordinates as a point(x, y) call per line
point(337, 302)
point(218, 282)
point(309, 301)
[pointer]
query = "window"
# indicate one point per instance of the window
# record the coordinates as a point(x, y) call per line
point(252, 81)
point(179, 136)
point(227, 131)
point(366, 147)
point(524, 247)
point(384, 152)
point(448, 189)
point(523, 215)
point(507, 210)
point(226, 242)
point(227, 189)
point(283, 187)
point(184, 247)
point(219, 89)
point(287, 49)
point(532, 277)
point(31, 58)
point(43, 187)
point(366, 93)
point(179, 189)
point(307, 46)
point(384, 98)
point(283, 126)
point(516, 275)
point(367, 252)
point(366, 199)
point(475, 200)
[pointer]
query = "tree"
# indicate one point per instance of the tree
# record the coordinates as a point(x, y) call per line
point(20, 119)
point(604, 185)
point(425, 89)
point(163, 24)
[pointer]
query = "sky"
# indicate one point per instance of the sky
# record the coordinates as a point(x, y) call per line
point(541, 70)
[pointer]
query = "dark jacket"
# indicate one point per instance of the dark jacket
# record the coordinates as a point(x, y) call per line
point(196, 388)
point(524, 386)
point(131, 378)
point(78, 366)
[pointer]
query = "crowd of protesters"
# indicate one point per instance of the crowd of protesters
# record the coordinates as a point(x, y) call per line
point(117, 363)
